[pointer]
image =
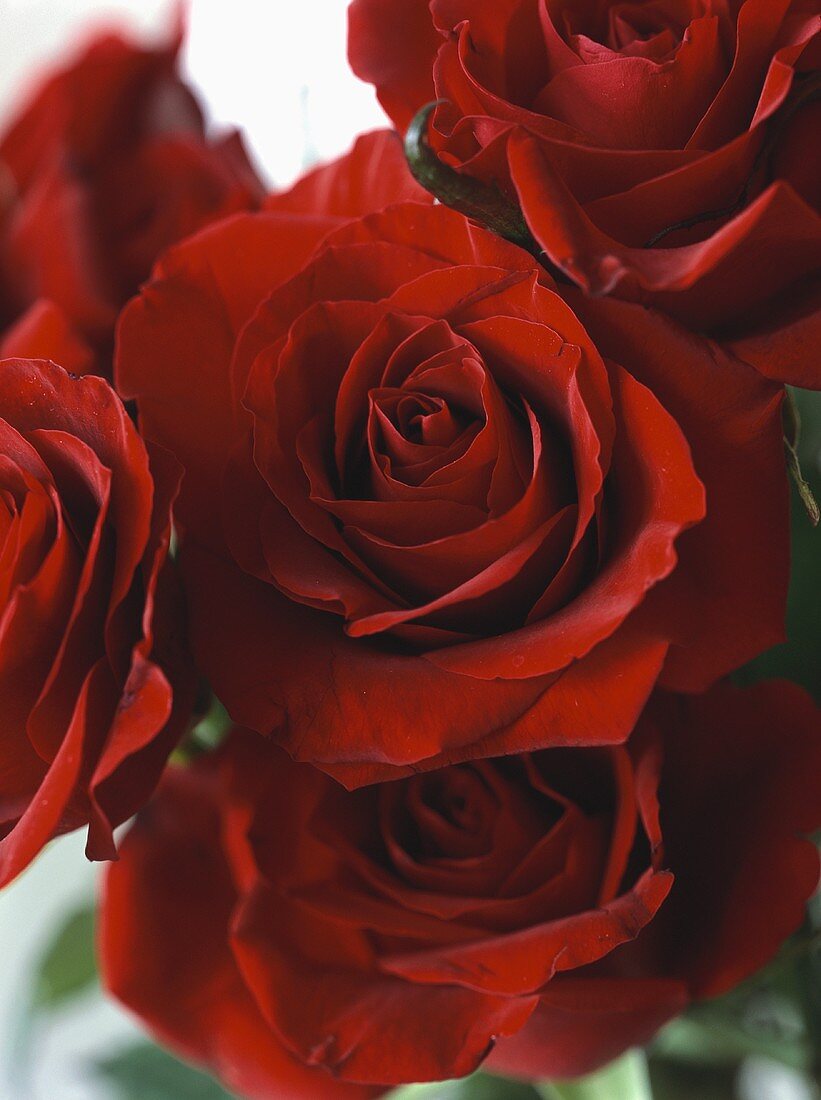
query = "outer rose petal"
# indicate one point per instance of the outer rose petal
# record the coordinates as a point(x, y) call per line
point(176, 340)
point(90, 695)
point(94, 101)
point(583, 1023)
point(786, 342)
point(372, 175)
point(49, 252)
point(747, 855)
point(742, 871)
point(289, 670)
point(45, 332)
point(164, 948)
point(109, 163)
point(402, 71)
point(44, 815)
point(497, 964)
point(735, 439)
point(722, 282)
point(373, 1027)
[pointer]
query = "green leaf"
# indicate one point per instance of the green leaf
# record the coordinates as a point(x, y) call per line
point(480, 1086)
point(625, 1079)
point(68, 966)
point(792, 444)
point(144, 1072)
point(66, 969)
point(711, 1038)
point(799, 658)
point(206, 736)
point(686, 1081)
point(212, 730)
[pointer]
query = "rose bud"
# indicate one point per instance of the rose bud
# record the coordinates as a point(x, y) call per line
point(540, 912)
point(664, 152)
point(95, 687)
point(436, 508)
point(106, 165)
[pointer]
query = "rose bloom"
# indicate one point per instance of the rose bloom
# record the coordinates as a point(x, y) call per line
point(95, 688)
point(433, 509)
point(541, 912)
point(105, 165)
point(609, 123)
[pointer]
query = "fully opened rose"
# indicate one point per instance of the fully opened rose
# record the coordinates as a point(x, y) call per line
point(401, 621)
point(543, 911)
point(661, 151)
point(428, 514)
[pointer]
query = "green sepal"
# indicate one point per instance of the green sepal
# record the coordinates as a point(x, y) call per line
point(792, 436)
point(482, 202)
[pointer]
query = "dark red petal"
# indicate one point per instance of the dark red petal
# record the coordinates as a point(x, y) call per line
point(45, 332)
point(271, 659)
point(73, 629)
point(743, 868)
point(635, 103)
point(782, 343)
point(759, 23)
point(49, 251)
point(506, 50)
point(582, 1023)
point(36, 395)
point(523, 962)
point(316, 982)
point(719, 608)
point(44, 815)
point(730, 274)
point(655, 510)
point(176, 341)
point(372, 175)
point(164, 948)
point(282, 668)
point(392, 45)
point(442, 235)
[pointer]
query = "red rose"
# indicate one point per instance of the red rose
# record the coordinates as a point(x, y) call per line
point(89, 623)
point(549, 909)
point(455, 509)
point(106, 166)
point(610, 123)
point(45, 332)
point(205, 1012)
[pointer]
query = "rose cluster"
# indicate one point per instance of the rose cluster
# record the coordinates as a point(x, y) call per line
point(467, 536)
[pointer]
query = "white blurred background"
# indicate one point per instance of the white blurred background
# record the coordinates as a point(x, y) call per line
point(277, 69)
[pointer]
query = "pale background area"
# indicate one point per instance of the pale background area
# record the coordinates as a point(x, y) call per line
point(277, 68)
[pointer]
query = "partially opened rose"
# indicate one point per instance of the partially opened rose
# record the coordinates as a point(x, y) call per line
point(541, 912)
point(95, 689)
point(431, 514)
point(663, 151)
point(106, 165)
